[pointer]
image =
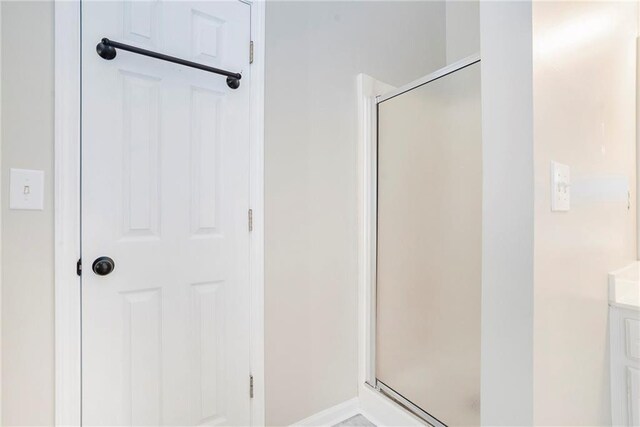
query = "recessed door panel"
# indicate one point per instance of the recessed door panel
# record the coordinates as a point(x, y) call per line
point(165, 195)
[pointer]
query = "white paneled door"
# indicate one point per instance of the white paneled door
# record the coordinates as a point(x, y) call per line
point(165, 195)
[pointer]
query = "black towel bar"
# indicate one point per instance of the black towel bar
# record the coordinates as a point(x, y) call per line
point(107, 50)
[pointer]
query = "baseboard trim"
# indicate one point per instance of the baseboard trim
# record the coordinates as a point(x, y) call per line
point(376, 407)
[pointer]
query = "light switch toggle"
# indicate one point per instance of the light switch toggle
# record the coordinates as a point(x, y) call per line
point(560, 187)
point(26, 189)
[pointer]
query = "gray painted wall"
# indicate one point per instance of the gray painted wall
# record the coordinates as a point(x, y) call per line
point(27, 236)
point(463, 29)
point(314, 52)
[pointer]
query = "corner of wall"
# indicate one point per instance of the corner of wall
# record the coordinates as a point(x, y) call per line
point(507, 265)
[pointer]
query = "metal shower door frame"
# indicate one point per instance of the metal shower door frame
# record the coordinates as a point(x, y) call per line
point(372, 212)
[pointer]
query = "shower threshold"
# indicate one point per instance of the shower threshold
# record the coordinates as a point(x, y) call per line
point(408, 405)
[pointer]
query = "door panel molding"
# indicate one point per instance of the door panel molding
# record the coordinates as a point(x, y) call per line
point(67, 212)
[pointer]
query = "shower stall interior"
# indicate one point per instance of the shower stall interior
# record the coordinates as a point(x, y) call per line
point(425, 347)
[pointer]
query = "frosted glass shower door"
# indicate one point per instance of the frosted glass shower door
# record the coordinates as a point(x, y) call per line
point(429, 231)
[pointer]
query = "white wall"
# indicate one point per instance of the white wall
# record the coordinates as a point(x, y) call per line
point(507, 239)
point(27, 236)
point(584, 116)
point(314, 52)
point(463, 29)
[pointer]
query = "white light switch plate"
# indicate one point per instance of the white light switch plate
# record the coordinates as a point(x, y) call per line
point(560, 187)
point(26, 189)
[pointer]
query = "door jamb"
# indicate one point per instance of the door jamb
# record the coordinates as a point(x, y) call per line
point(67, 212)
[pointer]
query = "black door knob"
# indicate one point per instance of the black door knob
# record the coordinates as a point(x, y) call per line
point(103, 266)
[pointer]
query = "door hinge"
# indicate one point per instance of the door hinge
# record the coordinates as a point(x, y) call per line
point(79, 267)
point(250, 219)
point(251, 52)
point(251, 386)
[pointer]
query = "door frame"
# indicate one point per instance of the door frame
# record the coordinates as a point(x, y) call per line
point(67, 174)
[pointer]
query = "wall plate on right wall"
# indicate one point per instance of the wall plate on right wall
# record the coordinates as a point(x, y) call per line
point(560, 187)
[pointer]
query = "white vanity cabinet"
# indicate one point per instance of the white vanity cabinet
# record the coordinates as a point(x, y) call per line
point(624, 324)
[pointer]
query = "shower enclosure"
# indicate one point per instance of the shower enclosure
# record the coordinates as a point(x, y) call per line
point(428, 243)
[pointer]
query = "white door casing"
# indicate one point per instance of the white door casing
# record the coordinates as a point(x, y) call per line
point(165, 193)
